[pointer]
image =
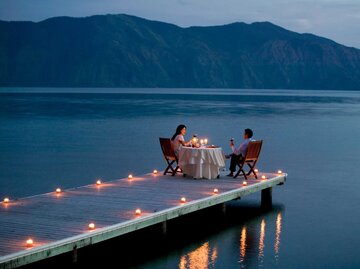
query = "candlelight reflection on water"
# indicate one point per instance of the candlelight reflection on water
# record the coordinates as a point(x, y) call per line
point(262, 241)
point(200, 258)
point(277, 236)
point(243, 246)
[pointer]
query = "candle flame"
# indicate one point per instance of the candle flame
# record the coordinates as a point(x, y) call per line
point(91, 226)
point(29, 242)
point(183, 199)
point(6, 200)
point(58, 190)
point(216, 190)
point(138, 211)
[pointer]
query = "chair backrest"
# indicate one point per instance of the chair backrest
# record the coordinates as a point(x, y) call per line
point(253, 150)
point(167, 148)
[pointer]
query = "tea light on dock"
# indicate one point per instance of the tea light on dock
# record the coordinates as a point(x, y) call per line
point(58, 190)
point(183, 199)
point(6, 200)
point(98, 182)
point(130, 176)
point(29, 242)
point(256, 170)
point(155, 172)
point(216, 191)
point(244, 183)
point(138, 211)
point(91, 226)
point(263, 177)
point(279, 172)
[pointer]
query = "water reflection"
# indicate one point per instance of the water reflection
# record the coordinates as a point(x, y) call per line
point(277, 236)
point(262, 241)
point(249, 249)
point(199, 258)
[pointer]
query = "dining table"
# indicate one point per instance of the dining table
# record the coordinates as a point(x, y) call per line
point(201, 162)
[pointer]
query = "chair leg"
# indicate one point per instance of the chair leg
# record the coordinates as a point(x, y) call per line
point(169, 167)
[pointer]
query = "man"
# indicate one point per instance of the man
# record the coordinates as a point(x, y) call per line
point(240, 152)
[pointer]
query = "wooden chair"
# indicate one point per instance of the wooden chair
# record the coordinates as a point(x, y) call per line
point(169, 156)
point(251, 158)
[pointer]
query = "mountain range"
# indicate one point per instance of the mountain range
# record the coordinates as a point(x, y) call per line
point(128, 51)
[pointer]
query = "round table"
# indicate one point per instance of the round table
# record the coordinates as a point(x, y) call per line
point(203, 162)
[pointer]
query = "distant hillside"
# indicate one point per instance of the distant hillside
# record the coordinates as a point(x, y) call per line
point(127, 51)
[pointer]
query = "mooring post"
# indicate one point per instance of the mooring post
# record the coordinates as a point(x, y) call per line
point(266, 198)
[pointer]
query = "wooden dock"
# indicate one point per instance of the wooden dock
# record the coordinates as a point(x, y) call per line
point(59, 222)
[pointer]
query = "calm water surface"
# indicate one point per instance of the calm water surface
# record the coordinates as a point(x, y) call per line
point(69, 139)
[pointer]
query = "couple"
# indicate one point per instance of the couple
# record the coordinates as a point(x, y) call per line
point(236, 155)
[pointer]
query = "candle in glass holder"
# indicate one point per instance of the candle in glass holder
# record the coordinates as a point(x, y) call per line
point(91, 226)
point(205, 141)
point(201, 141)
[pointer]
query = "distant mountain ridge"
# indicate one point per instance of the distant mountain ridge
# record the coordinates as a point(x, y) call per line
point(127, 51)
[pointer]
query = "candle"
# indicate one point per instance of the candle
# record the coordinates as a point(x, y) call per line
point(130, 176)
point(6, 200)
point(263, 177)
point(138, 211)
point(29, 242)
point(279, 172)
point(183, 199)
point(98, 182)
point(201, 141)
point(244, 183)
point(256, 170)
point(205, 141)
point(91, 226)
point(58, 190)
point(155, 172)
point(216, 190)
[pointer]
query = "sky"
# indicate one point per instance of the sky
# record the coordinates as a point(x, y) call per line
point(338, 20)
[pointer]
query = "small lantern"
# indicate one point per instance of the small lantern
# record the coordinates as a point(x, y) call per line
point(58, 190)
point(244, 183)
point(138, 212)
point(98, 182)
point(29, 243)
point(6, 200)
point(91, 226)
point(155, 172)
point(263, 177)
point(130, 176)
point(216, 191)
point(183, 199)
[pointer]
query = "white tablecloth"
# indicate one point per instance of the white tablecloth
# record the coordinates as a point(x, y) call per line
point(201, 162)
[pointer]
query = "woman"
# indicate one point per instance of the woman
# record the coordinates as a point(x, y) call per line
point(178, 139)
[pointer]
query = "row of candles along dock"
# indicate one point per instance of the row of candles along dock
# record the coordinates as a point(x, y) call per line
point(30, 242)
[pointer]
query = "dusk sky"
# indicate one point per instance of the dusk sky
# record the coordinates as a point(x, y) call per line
point(338, 20)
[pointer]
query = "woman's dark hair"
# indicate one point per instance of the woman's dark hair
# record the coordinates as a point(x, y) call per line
point(178, 131)
point(249, 132)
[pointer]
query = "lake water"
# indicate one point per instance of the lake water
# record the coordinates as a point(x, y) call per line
point(71, 138)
